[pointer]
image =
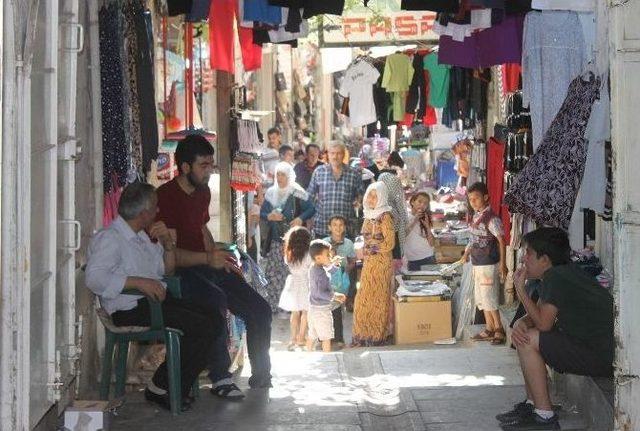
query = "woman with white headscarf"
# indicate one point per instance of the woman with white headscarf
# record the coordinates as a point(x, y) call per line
point(285, 205)
point(371, 309)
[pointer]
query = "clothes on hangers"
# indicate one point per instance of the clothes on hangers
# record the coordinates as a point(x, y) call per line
point(115, 151)
point(221, 38)
point(199, 11)
point(382, 101)
point(417, 95)
point(320, 7)
point(357, 85)
point(432, 5)
point(546, 188)
point(594, 183)
point(179, 7)
point(553, 55)
point(438, 80)
point(397, 77)
point(502, 43)
point(574, 5)
point(261, 11)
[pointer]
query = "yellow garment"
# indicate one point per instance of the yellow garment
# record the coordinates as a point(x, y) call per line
point(373, 301)
point(396, 79)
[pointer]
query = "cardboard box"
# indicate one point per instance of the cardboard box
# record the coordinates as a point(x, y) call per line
point(449, 253)
point(88, 416)
point(421, 319)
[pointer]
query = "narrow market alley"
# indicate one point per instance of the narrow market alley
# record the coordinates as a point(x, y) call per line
point(452, 388)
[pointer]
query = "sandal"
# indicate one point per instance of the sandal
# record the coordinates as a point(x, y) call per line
point(485, 335)
point(230, 392)
point(499, 337)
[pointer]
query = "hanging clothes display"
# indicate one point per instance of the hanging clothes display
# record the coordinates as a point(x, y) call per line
point(495, 183)
point(320, 7)
point(511, 77)
point(179, 7)
point(574, 5)
point(416, 97)
point(222, 15)
point(594, 183)
point(397, 77)
point(199, 11)
point(438, 80)
point(244, 173)
point(115, 152)
point(148, 116)
point(553, 54)
point(451, 6)
point(546, 188)
point(357, 85)
point(502, 43)
point(261, 11)
point(382, 101)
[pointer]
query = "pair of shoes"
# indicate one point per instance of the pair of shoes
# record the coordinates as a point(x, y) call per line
point(229, 392)
point(532, 421)
point(521, 409)
point(485, 335)
point(260, 382)
point(499, 337)
point(163, 401)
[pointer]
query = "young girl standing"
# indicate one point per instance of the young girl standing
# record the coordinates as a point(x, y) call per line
point(373, 301)
point(295, 295)
point(418, 248)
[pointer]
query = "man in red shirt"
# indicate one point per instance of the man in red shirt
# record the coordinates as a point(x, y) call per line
point(210, 277)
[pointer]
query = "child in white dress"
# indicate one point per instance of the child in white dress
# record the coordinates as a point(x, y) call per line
point(295, 295)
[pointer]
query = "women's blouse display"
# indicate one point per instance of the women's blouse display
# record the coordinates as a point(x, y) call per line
point(546, 188)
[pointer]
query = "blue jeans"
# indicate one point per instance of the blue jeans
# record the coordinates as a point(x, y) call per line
point(215, 291)
point(415, 265)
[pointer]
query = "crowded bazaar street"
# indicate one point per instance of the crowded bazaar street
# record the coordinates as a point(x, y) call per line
point(319, 215)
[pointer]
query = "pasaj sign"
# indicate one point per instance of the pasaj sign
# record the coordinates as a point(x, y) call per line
point(367, 29)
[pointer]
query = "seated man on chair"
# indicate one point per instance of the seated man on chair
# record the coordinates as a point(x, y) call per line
point(123, 257)
point(570, 328)
point(210, 276)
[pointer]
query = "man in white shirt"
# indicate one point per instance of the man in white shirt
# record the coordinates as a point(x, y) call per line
point(122, 257)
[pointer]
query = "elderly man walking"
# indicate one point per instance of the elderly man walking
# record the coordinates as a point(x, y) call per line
point(337, 189)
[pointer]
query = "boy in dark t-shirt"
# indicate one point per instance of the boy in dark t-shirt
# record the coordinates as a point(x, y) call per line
point(570, 328)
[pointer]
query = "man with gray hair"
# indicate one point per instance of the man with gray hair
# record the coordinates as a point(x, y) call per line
point(135, 252)
point(337, 189)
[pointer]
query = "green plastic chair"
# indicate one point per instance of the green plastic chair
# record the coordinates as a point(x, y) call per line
point(122, 336)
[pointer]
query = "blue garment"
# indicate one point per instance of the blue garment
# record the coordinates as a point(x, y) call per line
point(307, 210)
point(334, 197)
point(340, 279)
point(261, 11)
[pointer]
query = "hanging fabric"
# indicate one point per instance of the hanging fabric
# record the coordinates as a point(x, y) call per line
point(397, 77)
point(357, 86)
point(546, 188)
point(222, 15)
point(244, 173)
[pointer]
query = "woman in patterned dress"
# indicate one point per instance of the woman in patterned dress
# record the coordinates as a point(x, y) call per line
point(373, 301)
point(278, 214)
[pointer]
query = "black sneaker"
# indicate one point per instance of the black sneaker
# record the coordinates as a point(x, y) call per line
point(521, 409)
point(532, 421)
point(260, 382)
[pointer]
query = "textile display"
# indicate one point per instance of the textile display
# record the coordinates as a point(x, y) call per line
point(495, 184)
point(221, 38)
point(357, 86)
point(553, 55)
point(433, 5)
point(115, 151)
point(438, 80)
point(546, 188)
point(244, 173)
point(397, 77)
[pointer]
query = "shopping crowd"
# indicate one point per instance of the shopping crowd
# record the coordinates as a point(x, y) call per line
point(308, 220)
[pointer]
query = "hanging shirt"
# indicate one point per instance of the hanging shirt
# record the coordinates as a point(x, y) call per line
point(451, 6)
point(357, 85)
point(261, 11)
point(397, 77)
point(438, 80)
point(319, 7)
point(553, 55)
point(574, 5)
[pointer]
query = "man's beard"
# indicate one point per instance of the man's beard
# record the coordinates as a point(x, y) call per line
point(198, 185)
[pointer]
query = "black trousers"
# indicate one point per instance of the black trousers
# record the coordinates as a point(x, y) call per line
point(194, 348)
point(338, 330)
point(215, 291)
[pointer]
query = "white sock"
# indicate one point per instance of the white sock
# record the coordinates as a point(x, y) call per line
point(154, 389)
point(529, 401)
point(545, 414)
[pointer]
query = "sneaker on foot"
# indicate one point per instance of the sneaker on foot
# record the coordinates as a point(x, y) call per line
point(521, 409)
point(532, 421)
